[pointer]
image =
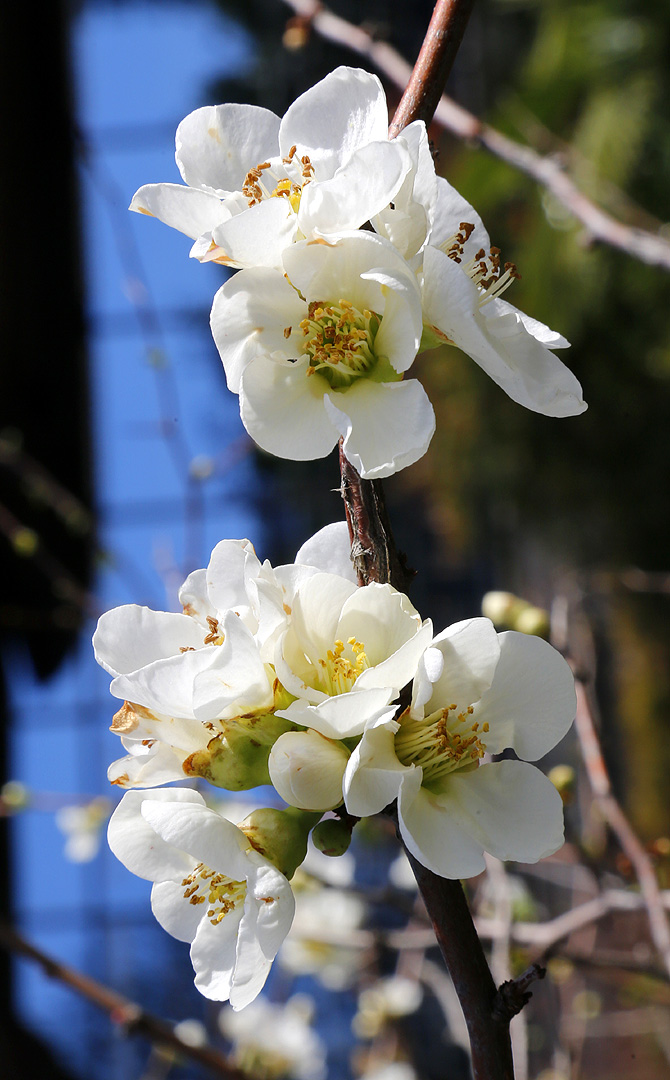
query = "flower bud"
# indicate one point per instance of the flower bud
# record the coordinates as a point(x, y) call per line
point(237, 759)
point(332, 836)
point(280, 835)
point(306, 769)
point(564, 779)
point(533, 620)
point(502, 608)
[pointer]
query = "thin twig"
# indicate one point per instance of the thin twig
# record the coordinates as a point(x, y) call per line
point(132, 1018)
point(610, 809)
point(549, 171)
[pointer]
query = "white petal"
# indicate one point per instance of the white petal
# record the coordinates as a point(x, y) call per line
point(509, 807)
point(330, 550)
point(135, 843)
point(236, 675)
point(331, 270)
point(344, 715)
point(551, 338)
point(166, 686)
point(231, 565)
point(257, 236)
point(250, 314)
point(173, 910)
point(189, 210)
point(317, 611)
point(344, 111)
point(218, 145)
point(358, 190)
point(470, 652)
point(130, 637)
point(268, 914)
point(207, 836)
point(282, 408)
point(158, 765)
point(386, 426)
point(213, 954)
point(499, 343)
point(193, 595)
point(306, 770)
point(433, 836)
point(532, 702)
point(373, 776)
point(399, 334)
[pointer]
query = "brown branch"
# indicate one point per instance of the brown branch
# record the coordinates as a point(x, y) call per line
point(601, 227)
point(434, 63)
point(132, 1018)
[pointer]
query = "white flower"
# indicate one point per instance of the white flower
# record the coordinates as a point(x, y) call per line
point(462, 284)
point(346, 653)
point(276, 1040)
point(83, 826)
point(257, 183)
point(319, 350)
point(211, 888)
point(475, 692)
point(181, 675)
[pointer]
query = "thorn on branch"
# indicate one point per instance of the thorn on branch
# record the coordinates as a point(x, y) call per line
point(514, 994)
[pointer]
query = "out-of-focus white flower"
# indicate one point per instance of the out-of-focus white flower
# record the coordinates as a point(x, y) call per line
point(257, 183)
point(83, 828)
point(183, 675)
point(276, 1041)
point(318, 350)
point(476, 691)
point(321, 941)
point(211, 888)
point(385, 1000)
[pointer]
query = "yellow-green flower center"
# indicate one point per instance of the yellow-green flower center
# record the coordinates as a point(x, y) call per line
point(440, 743)
point(339, 341)
point(338, 671)
point(205, 886)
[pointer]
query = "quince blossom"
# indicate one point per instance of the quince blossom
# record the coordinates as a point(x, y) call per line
point(257, 183)
point(211, 888)
point(193, 680)
point(476, 692)
point(319, 351)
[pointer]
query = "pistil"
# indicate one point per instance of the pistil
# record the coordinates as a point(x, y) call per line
point(338, 672)
point(340, 341)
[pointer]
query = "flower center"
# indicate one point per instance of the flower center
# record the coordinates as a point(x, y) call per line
point(339, 672)
point(255, 187)
point(440, 743)
point(339, 341)
point(484, 270)
point(205, 886)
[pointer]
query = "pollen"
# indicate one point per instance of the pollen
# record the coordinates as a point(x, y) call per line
point(214, 637)
point(205, 886)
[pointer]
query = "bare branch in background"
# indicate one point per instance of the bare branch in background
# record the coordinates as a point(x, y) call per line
point(601, 227)
point(130, 1017)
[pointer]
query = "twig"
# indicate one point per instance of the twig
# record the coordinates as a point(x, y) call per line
point(640, 244)
point(124, 1012)
point(619, 824)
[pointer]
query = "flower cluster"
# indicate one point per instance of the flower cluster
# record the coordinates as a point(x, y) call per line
point(355, 256)
point(294, 676)
point(352, 257)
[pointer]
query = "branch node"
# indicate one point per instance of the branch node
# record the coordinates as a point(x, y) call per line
point(514, 994)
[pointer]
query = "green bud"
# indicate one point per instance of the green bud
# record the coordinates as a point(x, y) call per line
point(237, 758)
point(533, 620)
point(502, 608)
point(280, 835)
point(332, 836)
point(564, 779)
